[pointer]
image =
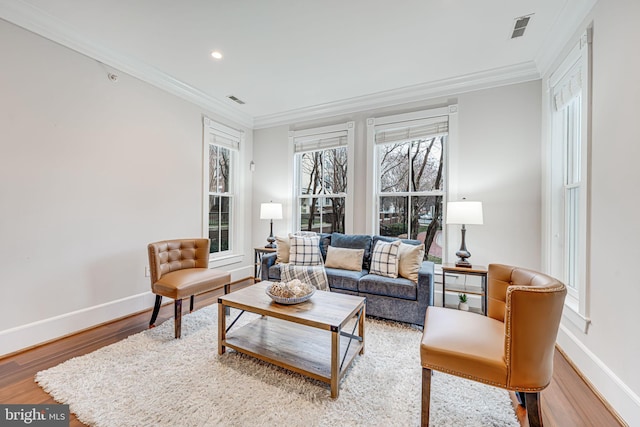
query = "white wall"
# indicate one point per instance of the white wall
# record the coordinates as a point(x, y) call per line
point(496, 158)
point(609, 352)
point(91, 171)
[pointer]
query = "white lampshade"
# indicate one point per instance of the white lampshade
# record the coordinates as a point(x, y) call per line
point(270, 211)
point(464, 212)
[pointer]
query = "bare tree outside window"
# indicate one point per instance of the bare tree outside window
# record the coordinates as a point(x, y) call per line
point(411, 191)
point(323, 188)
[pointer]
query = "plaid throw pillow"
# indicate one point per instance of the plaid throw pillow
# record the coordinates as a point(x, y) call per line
point(311, 274)
point(305, 250)
point(384, 259)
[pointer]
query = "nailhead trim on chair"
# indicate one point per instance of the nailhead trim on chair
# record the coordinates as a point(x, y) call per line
point(480, 380)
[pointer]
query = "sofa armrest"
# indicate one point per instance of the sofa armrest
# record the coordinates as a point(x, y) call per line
point(267, 261)
point(425, 282)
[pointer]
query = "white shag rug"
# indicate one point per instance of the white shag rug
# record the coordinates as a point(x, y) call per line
point(152, 379)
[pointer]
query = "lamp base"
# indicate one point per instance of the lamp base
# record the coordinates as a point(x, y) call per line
point(463, 263)
point(271, 239)
point(271, 244)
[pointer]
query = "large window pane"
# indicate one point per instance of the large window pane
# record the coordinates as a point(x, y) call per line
point(322, 174)
point(414, 170)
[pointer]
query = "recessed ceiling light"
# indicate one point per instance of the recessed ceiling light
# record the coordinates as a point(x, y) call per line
point(216, 54)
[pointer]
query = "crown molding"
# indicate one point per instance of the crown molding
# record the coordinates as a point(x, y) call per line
point(487, 79)
point(40, 22)
point(566, 26)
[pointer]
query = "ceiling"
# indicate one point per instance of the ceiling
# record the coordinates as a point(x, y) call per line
point(296, 58)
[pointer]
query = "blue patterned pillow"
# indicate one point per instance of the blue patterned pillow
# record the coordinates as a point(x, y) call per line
point(384, 259)
point(305, 250)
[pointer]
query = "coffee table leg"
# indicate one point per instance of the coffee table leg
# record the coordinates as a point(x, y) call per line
point(335, 362)
point(361, 328)
point(221, 327)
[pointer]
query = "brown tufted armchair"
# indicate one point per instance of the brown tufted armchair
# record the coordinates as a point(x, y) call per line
point(512, 347)
point(180, 269)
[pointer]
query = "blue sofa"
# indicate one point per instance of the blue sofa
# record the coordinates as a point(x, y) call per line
point(397, 299)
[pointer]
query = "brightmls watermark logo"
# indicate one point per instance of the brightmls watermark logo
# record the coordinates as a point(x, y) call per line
point(34, 415)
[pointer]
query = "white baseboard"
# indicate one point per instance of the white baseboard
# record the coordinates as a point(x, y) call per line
point(31, 334)
point(617, 394)
point(25, 336)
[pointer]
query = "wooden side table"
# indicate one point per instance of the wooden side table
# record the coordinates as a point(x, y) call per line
point(474, 270)
point(257, 266)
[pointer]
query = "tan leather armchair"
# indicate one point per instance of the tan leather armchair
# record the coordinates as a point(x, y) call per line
point(180, 269)
point(512, 347)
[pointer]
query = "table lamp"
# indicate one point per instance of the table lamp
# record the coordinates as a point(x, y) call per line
point(271, 211)
point(464, 212)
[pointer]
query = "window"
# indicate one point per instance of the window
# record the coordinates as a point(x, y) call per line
point(323, 173)
point(568, 172)
point(221, 150)
point(410, 180)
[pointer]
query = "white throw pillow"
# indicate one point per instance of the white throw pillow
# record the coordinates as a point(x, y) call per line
point(384, 259)
point(344, 258)
point(305, 250)
point(410, 260)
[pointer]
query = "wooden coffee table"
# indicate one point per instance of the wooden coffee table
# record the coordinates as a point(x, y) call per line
point(307, 338)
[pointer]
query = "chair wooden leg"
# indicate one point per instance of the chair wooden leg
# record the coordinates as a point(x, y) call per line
point(156, 310)
point(178, 317)
point(191, 300)
point(426, 396)
point(534, 411)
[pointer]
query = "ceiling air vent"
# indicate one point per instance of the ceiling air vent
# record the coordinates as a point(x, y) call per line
point(236, 99)
point(520, 25)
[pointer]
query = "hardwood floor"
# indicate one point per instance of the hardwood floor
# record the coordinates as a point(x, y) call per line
point(567, 402)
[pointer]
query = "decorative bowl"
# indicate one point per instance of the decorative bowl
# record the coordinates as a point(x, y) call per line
point(289, 301)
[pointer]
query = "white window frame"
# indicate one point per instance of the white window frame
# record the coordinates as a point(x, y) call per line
point(570, 87)
point(406, 119)
point(311, 140)
point(235, 143)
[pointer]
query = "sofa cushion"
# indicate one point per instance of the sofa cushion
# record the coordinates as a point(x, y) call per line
point(386, 286)
point(311, 274)
point(344, 258)
point(274, 272)
point(384, 259)
point(325, 241)
point(377, 238)
point(344, 279)
point(354, 241)
point(304, 250)
point(409, 261)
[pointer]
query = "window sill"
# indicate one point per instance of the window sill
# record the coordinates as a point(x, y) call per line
point(221, 261)
point(571, 313)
